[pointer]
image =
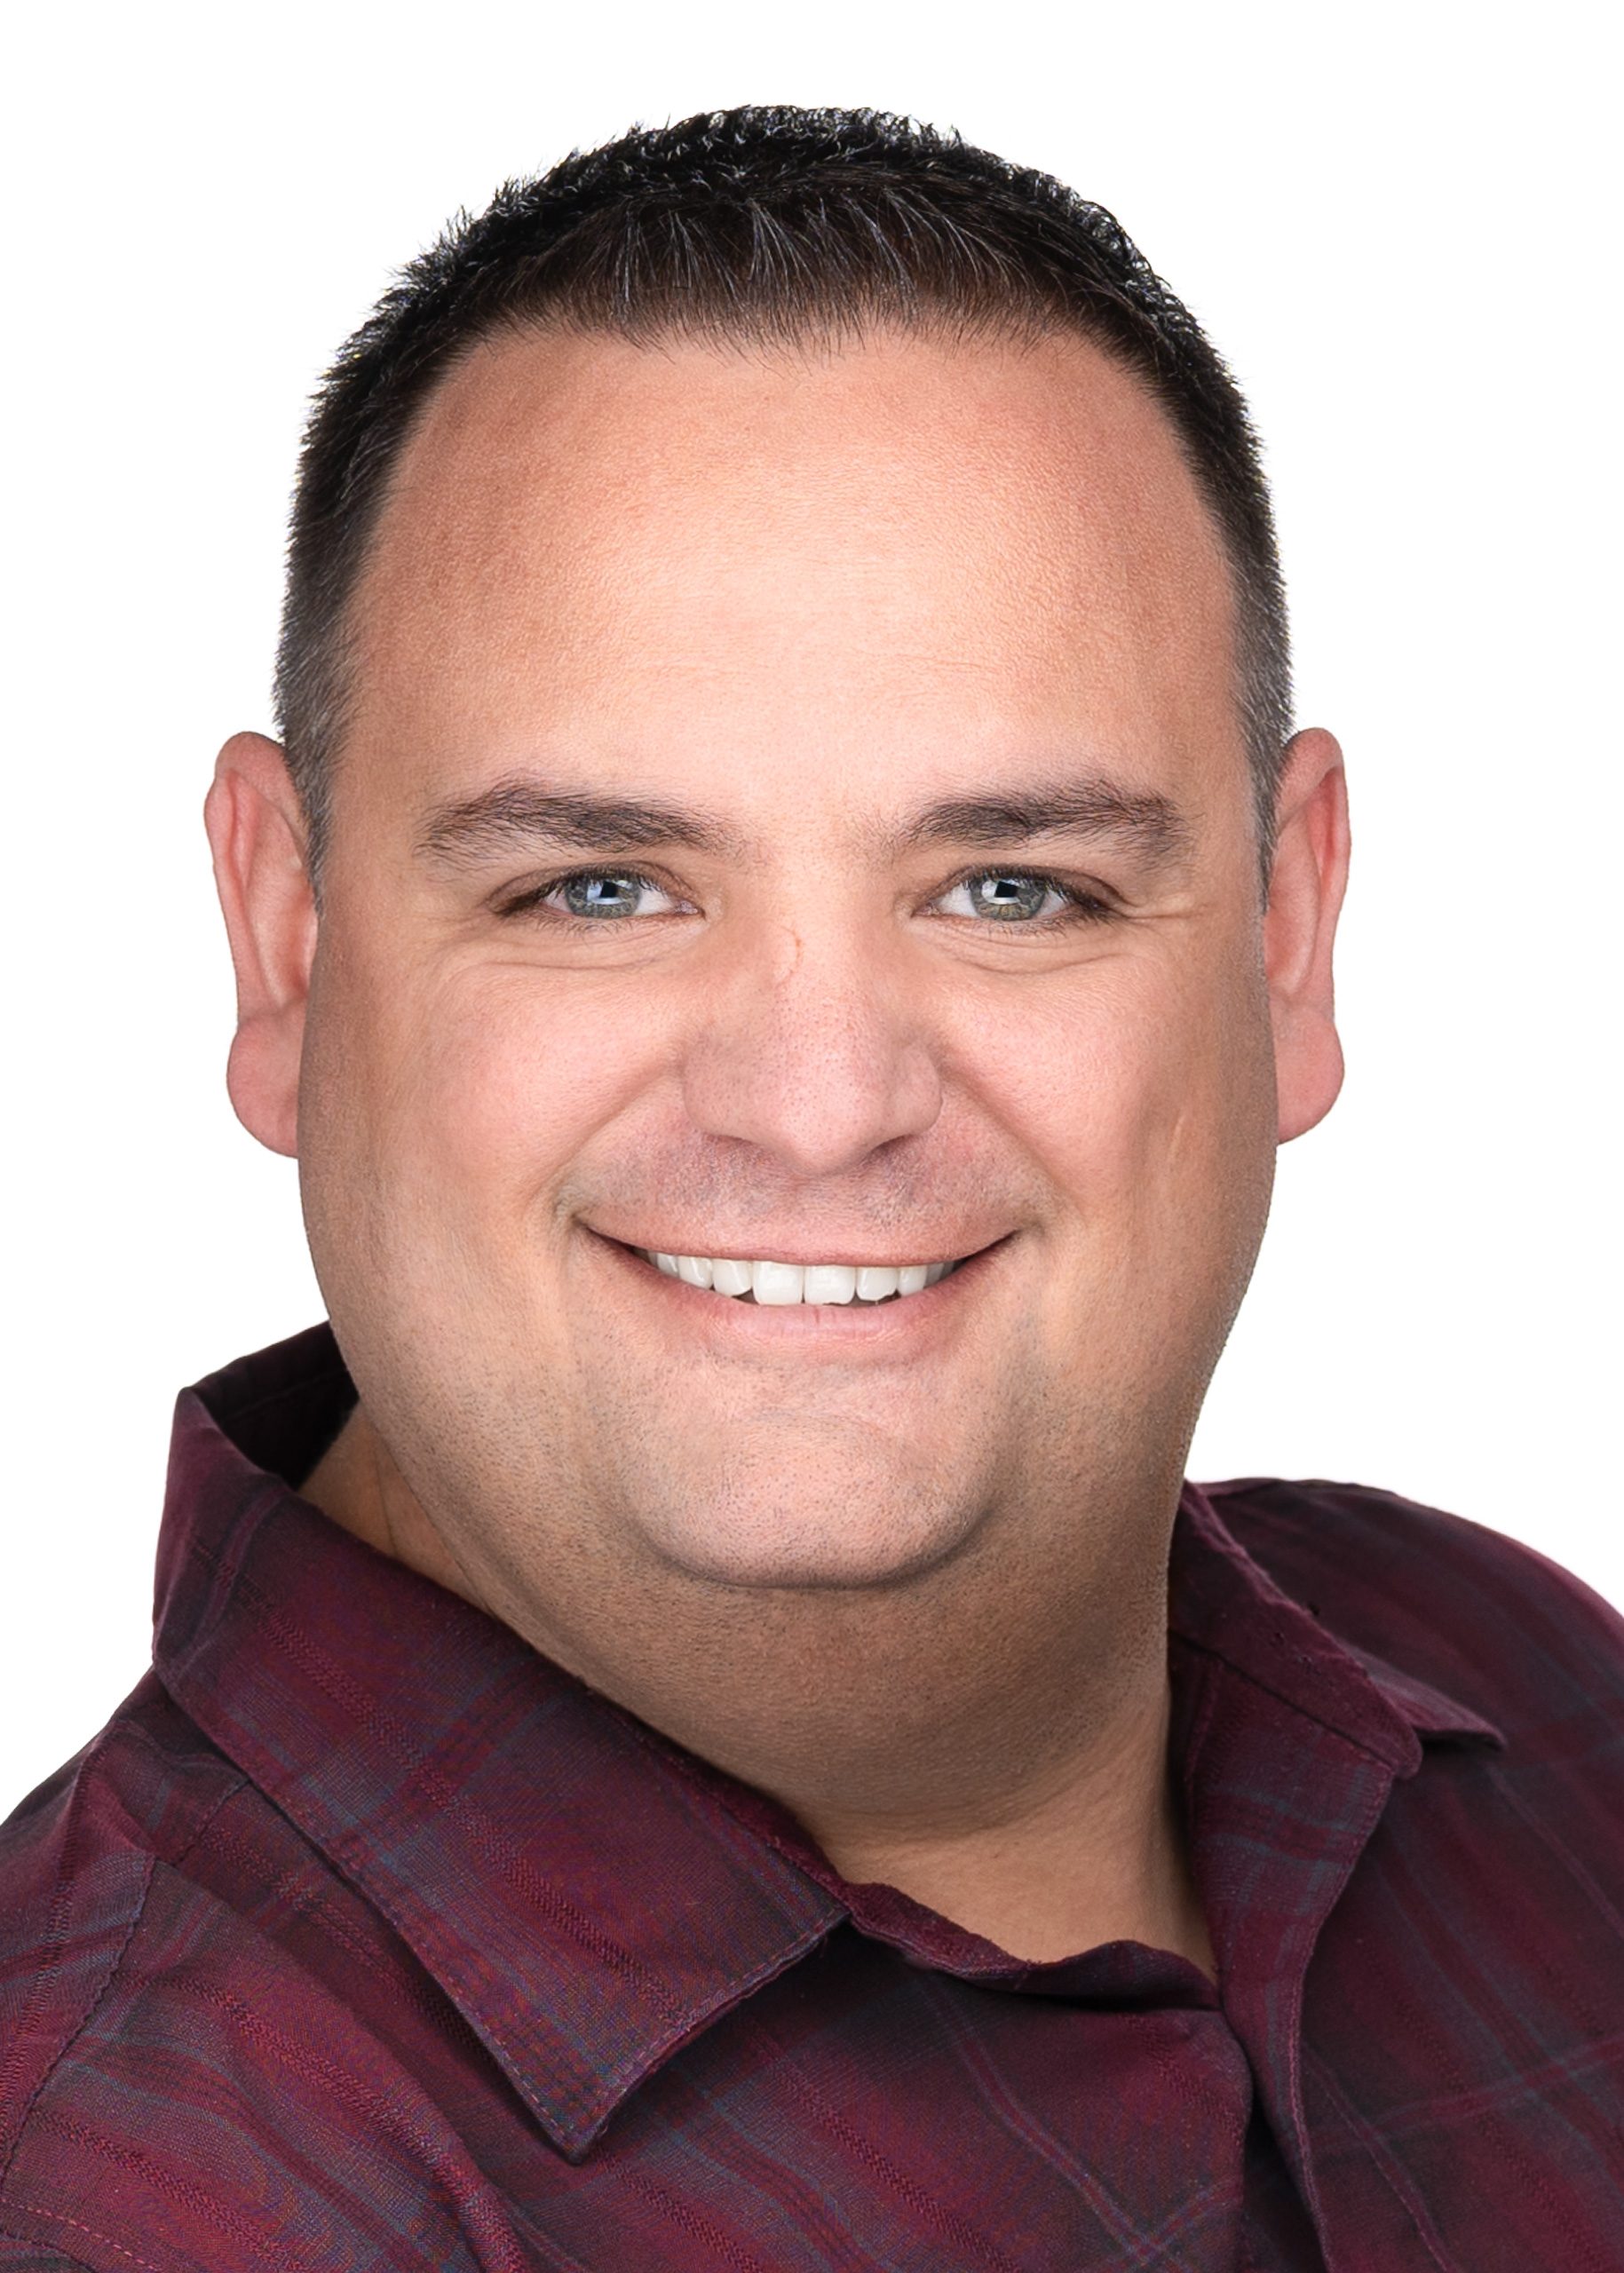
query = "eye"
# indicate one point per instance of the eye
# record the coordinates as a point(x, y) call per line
point(597, 895)
point(1018, 896)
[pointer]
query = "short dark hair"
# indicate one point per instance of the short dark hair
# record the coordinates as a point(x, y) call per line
point(763, 224)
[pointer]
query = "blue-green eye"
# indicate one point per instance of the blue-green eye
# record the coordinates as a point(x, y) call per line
point(1007, 896)
point(606, 895)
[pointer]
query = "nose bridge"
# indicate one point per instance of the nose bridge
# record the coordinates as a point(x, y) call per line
point(812, 1048)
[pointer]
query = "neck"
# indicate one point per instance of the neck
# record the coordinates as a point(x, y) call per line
point(1017, 1784)
point(1092, 1852)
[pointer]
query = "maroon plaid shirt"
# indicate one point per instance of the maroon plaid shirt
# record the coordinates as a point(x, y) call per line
point(364, 1937)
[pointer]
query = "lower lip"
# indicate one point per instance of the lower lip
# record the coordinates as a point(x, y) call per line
point(902, 1325)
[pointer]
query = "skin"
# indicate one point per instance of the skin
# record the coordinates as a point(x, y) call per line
point(903, 1569)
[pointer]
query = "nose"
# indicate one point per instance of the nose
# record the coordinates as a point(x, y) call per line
point(809, 1052)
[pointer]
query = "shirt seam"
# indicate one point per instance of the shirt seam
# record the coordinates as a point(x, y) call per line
point(617, 2083)
point(29, 2242)
point(77, 2225)
point(1292, 1704)
point(1296, 2052)
point(699, 1781)
point(115, 1969)
point(85, 2018)
point(564, 2110)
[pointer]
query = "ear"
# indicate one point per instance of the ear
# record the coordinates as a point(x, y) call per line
point(256, 834)
point(1305, 892)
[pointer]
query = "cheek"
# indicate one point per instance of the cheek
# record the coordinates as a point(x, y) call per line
point(510, 1075)
point(1143, 1086)
point(434, 1099)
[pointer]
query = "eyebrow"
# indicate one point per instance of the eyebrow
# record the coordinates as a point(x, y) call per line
point(520, 810)
point(1141, 821)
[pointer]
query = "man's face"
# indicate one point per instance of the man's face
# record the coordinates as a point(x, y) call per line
point(940, 941)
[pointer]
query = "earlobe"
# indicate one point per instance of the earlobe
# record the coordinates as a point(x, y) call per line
point(256, 836)
point(1310, 874)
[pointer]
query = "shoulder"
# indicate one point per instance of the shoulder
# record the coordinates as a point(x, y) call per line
point(196, 2010)
point(77, 1860)
point(1473, 1612)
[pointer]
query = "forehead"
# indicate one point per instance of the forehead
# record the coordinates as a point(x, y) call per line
point(670, 561)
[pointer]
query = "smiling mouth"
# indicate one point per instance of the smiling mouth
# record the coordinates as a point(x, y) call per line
point(782, 1285)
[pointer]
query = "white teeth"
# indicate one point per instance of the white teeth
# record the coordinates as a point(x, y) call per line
point(830, 1282)
point(784, 1283)
point(777, 1282)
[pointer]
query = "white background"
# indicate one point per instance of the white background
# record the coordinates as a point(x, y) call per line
point(1393, 221)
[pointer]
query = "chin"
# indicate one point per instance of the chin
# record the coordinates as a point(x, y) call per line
point(763, 1531)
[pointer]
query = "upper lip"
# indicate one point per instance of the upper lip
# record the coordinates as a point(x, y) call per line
point(793, 1251)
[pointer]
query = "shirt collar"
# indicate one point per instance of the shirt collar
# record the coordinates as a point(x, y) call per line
point(589, 1894)
point(1287, 1761)
point(1224, 1603)
point(581, 1904)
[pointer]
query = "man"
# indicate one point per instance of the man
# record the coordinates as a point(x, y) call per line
point(697, 1724)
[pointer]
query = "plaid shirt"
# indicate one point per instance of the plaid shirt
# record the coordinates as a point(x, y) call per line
point(365, 1938)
